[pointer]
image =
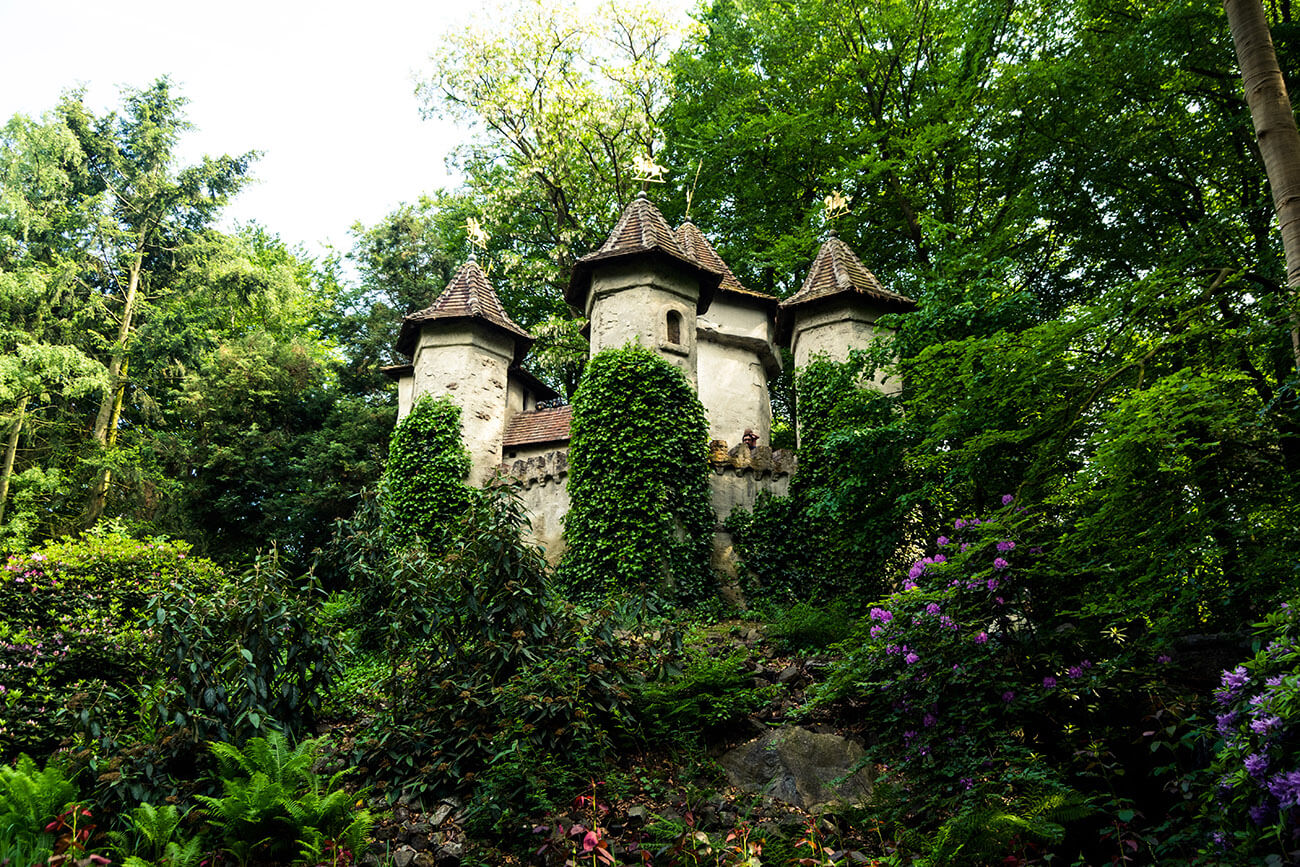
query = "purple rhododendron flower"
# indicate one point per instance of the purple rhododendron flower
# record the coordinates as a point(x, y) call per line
point(999, 600)
point(1275, 680)
point(876, 630)
point(1260, 813)
point(999, 563)
point(982, 638)
point(1008, 696)
point(1075, 672)
point(911, 658)
point(909, 585)
point(941, 541)
point(929, 720)
point(1265, 725)
point(917, 570)
point(1164, 659)
point(964, 546)
point(932, 609)
point(1286, 788)
point(1256, 764)
point(1007, 546)
point(939, 558)
point(1235, 679)
point(881, 614)
point(1007, 499)
point(1049, 682)
point(992, 584)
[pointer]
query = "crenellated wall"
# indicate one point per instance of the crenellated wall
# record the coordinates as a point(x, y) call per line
point(543, 475)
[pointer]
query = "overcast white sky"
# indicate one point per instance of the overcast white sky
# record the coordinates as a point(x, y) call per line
point(325, 89)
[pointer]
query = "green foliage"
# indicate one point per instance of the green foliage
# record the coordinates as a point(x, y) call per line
point(994, 712)
point(29, 800)
point(1256, 787)
point(246, 658)
point(152, 839)
point(493, 679)
point(71, 616)
point(423, 491)
point(638, 480)
point(804, 627)
point(273, 805)
point(712, 691)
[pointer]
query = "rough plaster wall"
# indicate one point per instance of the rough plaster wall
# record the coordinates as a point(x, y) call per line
point(742, 319)
point(514, 398)
point(405, 386)
point(471, 365)
point(629, 303)
point(730, 490)
point(733, 389)
point(543, 471)
point(834, 331)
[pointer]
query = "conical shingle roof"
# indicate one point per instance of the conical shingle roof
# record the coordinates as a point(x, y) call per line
point(837, 270)
point(468, 297)
point(697, 246)
point(640, 231)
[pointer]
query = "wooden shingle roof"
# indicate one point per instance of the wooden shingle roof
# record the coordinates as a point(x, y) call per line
point(468, 297)
point(838, 269)
point(538, 426)
point(697, 246)
point(837, 272)
point(640, 231)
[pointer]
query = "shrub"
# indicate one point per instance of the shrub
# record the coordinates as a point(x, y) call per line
point(495, 678)
point(275, 807)
point(423, 492)
point(712, 691)
point(983, 704)
point(806, 627)
point(1256, 801)
point(638, 480)
point(71, 618)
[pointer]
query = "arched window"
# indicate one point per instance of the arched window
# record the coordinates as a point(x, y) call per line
point(674, 327)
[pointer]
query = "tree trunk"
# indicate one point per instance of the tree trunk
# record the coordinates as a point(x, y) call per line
point(118, 360)
point(11, 451)
point(99, 493)
point(1275, 130)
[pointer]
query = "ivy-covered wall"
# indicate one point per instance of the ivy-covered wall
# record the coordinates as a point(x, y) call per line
point(423, 491)
point(638, 479)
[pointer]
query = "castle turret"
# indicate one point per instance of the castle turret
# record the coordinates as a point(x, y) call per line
point(735, 348)
point(465, 346)
point(642, 287)
point(836, 309)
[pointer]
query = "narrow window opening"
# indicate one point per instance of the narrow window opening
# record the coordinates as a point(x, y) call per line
point(674, 327)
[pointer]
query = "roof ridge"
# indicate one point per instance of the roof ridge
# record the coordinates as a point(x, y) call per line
point(468, 295)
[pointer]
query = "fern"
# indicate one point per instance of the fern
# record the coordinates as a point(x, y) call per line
point(272, 800)
point(29, 799)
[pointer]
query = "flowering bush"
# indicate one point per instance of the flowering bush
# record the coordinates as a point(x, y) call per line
point(980, 702)
point(70, 622)
point(1257, 763)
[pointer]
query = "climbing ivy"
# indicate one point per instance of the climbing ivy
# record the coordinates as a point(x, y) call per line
point(423, 492)
point(638, 479)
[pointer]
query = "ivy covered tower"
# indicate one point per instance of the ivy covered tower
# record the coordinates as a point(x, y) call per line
point(467, 346)
point(641, 287)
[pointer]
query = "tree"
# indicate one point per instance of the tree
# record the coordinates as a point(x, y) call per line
point(144, 210)
point(561, 103)
point(1275, 132)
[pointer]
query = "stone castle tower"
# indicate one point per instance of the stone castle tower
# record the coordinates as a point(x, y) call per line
point(664, 289)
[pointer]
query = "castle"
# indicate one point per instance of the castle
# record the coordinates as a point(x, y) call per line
point(662, 289)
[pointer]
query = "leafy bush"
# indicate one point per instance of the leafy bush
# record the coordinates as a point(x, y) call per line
point(1256, 802)
point(495, 677)
point(153, 838)
point(712, 691)
point(776, 562)
point(983, 704)
point(71, 617)
point(807, 627)
point(246, 659)
point(274, 806)
point(423, 492)
point(638, 480)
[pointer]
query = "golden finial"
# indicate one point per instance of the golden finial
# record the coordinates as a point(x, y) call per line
point(477, 236)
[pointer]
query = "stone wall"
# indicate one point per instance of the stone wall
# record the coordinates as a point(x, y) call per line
point(543, 475)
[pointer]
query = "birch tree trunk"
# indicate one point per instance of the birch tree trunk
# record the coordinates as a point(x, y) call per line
point(11, 451)
point(1275, 130)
